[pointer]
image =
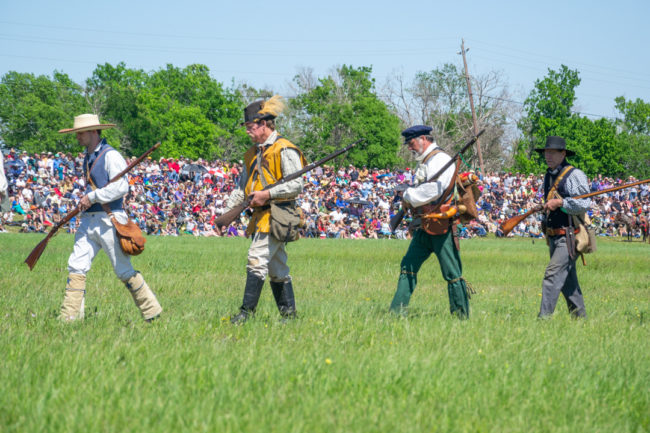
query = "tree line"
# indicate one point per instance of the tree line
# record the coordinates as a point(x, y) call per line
point(195, 116)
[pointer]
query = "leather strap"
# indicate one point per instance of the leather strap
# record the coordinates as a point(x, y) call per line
point(89, 169)
point(558, 232)
point(552, 191)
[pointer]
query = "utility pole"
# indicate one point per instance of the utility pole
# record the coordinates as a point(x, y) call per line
point(471, 104)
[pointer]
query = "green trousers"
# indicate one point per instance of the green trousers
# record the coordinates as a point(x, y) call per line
point(421, 247)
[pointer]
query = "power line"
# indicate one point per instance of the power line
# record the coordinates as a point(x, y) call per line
point(537, 55)
point(308, 52)
point(217, 38)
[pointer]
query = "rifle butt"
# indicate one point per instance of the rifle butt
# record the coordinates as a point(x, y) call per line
point(512, 222)
point(230, 216)
point(36, 253)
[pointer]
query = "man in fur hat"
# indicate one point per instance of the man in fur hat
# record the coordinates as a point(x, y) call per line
point(561, 182)
point(96, 231)
point(270, 159)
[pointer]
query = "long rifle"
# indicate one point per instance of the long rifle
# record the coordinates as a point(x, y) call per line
point(232, 214)
point(397, 218)
point(36, 252)
point(512, 222)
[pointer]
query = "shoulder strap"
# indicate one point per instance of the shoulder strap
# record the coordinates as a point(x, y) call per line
point(260, 167)
point(260, 164)
point(89, 169)
point(433, 153)
point(553, 190)
point(452, 184)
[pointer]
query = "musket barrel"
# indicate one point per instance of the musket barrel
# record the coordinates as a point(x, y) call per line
point(232, 214)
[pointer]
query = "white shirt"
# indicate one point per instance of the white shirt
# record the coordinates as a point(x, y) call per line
point(336, 216)
point(3, 178)
point(427, 192)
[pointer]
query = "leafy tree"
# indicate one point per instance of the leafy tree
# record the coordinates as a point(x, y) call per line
point(439, 98)
point(113, 92)
point(634, 139)
point(33, 109)
point(548, 109)
point(343, 108)
point(549, 112)
point(188, 111)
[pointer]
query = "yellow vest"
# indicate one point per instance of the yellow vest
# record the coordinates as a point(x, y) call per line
point(272, 172)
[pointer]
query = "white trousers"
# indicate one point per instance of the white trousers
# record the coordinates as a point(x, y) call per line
point(268, 255)
point(96, 232)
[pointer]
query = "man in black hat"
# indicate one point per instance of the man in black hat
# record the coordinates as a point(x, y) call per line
point(432, 234)
point(267, 161)
point(562, 181)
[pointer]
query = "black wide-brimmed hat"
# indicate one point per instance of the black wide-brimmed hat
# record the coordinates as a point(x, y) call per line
point(556, 143)
point(263, 110)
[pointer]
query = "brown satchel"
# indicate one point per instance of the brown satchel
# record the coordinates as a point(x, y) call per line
point(467, 194)
point(129, 234)
point(436, 226)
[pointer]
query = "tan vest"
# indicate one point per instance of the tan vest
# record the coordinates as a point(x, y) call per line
point(271, 172)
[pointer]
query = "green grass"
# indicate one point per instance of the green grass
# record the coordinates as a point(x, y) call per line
point(346, 364)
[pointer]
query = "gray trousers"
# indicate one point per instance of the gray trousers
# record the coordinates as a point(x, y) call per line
point(561, 276)
point(268, 255)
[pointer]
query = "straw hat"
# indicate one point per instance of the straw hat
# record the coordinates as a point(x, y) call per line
point(86, 122)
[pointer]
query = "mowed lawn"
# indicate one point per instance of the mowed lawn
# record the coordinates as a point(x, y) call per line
point(345, 365)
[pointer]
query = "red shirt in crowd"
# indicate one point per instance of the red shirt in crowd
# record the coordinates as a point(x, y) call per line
point(174, 166)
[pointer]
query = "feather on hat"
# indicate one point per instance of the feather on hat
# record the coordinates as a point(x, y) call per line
point(262, 110)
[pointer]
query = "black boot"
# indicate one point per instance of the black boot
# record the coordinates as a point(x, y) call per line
point(284, 298)
point(252, 294)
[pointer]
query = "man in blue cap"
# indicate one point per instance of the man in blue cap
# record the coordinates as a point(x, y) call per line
point(562, 181)
point(432, 234)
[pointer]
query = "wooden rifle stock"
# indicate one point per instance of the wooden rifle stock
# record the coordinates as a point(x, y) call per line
point(36, 252)
point(232, 214)
point(397, 218)
point(512, 222)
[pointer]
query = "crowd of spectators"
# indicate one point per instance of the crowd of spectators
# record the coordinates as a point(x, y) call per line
point(183, 197)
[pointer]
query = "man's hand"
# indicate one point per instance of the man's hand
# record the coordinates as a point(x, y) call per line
point(553, 204)
point(259, 198)
point(84, 203)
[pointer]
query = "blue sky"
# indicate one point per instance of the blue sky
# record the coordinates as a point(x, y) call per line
point(265, 44)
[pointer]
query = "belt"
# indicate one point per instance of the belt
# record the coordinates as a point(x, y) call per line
point(278, 203)
point(558, 232)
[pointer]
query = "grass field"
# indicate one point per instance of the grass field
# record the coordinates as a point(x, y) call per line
point(345, 365)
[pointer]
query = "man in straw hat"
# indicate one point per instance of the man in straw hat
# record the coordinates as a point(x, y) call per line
point(101, 163)
point(561, 182)
point(270, 159)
